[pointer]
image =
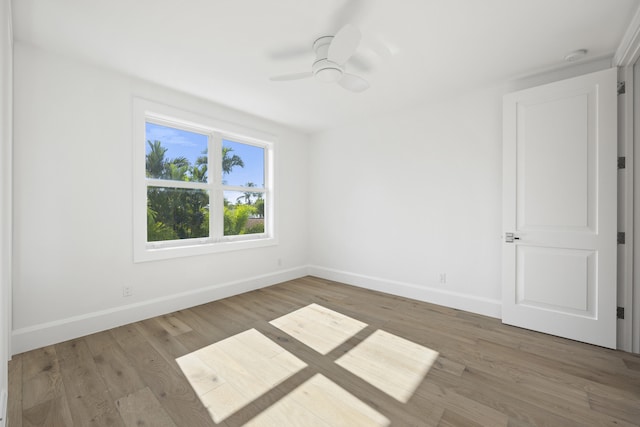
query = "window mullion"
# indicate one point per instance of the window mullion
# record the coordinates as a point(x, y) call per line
point(176, 184)
point(216, 197)
point(242, 188)
point(268, 194)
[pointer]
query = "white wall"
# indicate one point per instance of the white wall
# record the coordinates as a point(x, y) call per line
point(5, 197)
point(73, 206)
point(400, 199)
point(397, 200)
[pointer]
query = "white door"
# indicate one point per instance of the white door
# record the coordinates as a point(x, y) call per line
point(560, 203)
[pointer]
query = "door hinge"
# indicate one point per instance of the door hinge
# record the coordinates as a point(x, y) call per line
point(621, 237)
point(620, 312)
point(621, 88)
point(622, 162)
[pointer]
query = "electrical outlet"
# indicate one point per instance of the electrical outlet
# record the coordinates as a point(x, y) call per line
point(127, 291)
point(443, 278)
point(279, 262)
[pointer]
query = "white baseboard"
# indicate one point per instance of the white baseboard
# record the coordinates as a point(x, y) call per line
point(41, 335)
point(44, 334)
point(479, 305)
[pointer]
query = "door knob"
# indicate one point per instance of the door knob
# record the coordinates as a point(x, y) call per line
point(510, 237)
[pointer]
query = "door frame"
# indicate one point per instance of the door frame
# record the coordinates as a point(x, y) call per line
point(626, 58)
point(628, 290)
point(6, 141)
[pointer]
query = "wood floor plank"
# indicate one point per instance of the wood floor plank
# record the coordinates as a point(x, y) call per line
point(40, 377)
point(165, 343)
point(526, 407)
point(519, 371)
point(585, 379)
point(113, 365)
point(269, 306)
point(453, 419)
point(51, 413)
point(193, 340)
point(143, 409)
point(632, 364)
point(14, 403)
point(464, 406)
point(486, 373)
point(208, 330)
point(166, 382)
point(173, 325)
point(624, 409)
point(87, 395)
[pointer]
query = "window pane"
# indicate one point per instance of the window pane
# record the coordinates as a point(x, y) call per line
point(177, 213)
point(175, 154)
point(242, 164)
point(243, 213)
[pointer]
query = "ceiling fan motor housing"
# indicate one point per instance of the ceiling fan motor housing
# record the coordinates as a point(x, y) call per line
point(323, 69)
point(332, 53)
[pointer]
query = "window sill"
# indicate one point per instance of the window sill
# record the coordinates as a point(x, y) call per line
point(146, 254)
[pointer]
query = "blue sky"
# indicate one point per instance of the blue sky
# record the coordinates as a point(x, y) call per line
point(181, 143)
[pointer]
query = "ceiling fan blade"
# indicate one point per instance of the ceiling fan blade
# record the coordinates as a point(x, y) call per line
point(296, 76)
point(351, 12)
point(353, 83)
point(361, 63)
point(292, 52)
point(344, 44)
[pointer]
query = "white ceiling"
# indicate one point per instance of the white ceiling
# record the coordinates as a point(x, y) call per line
point(412, 50)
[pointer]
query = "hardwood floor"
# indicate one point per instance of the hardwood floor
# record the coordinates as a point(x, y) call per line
point(479, 372)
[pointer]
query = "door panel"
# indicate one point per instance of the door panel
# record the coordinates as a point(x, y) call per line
point(559, 198)
point(553, 163)
point(556, 279)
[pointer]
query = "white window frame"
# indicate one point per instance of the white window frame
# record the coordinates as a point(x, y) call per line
point(216, 130)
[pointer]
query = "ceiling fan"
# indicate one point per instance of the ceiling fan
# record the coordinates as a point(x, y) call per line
point(332, 53)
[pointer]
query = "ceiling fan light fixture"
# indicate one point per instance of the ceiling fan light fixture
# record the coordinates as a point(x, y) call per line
point(332, 53)
point(576, 55)
point(329, 75)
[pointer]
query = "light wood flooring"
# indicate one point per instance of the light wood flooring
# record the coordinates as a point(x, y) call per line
point(391, 362)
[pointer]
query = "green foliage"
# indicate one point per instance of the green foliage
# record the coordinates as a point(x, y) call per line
point(180, 213)
point(157, 230)
point(259, 205)
point(176, 213)
point(235, 219)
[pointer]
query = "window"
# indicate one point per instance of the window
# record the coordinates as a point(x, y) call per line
point(201, 185)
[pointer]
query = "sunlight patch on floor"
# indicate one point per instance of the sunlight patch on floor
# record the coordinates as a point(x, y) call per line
point(318, 327)
point(319, 402)
point(390, 363)
point(231, 373)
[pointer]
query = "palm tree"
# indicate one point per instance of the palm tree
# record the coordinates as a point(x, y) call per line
point(155, 162)
point(248, 194)
point(176, 169)
point(199, 171)
point(229, 162)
